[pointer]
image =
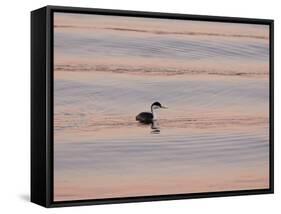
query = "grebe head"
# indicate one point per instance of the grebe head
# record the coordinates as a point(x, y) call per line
point(156, 105)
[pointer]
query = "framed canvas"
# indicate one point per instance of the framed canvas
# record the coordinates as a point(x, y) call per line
point(131, 106)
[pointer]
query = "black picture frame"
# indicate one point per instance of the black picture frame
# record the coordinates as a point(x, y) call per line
point(42, 105)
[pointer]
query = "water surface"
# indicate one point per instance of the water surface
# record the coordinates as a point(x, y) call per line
point(212, 76)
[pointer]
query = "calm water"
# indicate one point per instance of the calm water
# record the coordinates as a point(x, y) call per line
point(214, 80)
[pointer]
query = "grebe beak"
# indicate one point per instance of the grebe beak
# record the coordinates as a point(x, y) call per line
point(165, 107)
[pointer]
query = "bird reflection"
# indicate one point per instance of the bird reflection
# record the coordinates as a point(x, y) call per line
point(155, 127)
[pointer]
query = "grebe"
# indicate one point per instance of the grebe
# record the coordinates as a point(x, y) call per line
point(149, 117)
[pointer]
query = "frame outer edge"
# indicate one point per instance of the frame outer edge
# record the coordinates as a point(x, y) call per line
point(271, 109)
point(38, 108)
point(49, 96)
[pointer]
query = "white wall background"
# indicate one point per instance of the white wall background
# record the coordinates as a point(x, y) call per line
point(15, 105)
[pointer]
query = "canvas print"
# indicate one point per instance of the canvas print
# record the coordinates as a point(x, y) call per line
point(150, 106)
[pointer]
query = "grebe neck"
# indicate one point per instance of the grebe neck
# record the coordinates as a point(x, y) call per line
point(153, 111)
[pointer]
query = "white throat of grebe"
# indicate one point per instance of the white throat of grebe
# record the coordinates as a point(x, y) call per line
point(154, 110)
